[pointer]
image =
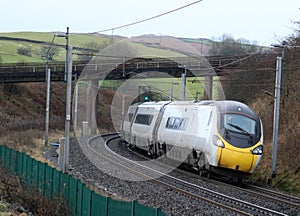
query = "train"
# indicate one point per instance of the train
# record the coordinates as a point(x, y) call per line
point(213, 137)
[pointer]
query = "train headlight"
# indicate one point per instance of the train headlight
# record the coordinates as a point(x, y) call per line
point(258, 150)
point(218, 142)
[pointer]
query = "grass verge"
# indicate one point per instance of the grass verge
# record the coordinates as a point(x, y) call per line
point(18, 199)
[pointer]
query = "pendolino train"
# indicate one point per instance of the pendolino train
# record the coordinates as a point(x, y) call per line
point(223, 137)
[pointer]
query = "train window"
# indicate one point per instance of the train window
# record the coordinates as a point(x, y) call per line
point(143, 119)
point(240, 124)
point(175, 123)
point(240, 131)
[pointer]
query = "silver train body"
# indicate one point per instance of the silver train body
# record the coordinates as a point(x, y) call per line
point(224, 137)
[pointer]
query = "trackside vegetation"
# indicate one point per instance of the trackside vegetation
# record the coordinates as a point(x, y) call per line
point(22, 106)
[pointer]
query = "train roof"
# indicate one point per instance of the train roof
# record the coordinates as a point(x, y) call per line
point(228, 106)
point(225, 106)
point(184, 103)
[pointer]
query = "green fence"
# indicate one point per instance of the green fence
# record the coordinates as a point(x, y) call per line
point(53, 183)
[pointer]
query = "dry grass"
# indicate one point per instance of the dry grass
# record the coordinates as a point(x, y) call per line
point(31, 142)
point(18, 199)
point(288, 159)
point(22, 120)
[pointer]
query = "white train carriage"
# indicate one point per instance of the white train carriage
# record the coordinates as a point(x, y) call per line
point(219, 136)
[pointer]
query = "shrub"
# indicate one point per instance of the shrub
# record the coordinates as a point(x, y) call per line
point(24, 50)
point(27, 199)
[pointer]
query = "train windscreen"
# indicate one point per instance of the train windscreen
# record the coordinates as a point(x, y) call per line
point(240, 130)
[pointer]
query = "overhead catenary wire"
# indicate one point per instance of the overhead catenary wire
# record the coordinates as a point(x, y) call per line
point(150, 18)
point(231, 73)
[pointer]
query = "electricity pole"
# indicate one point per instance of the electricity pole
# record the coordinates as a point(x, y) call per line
point(277, 104)
point(68, 110)
point(68, 78)
point(67, 53)
point(171, 90)
point(183, 84)
point(48, 76)
point(277, 108)
point(276, 114)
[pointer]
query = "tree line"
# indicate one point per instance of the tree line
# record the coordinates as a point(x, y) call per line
point(226, 45)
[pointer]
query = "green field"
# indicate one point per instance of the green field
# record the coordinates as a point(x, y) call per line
point(198, 40)
point(8, 48)
point(164, 86)
point(145, 51)
point(8, 54)
point(74, 39)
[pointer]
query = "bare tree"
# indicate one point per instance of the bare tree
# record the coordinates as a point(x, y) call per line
point(49, 51)
point(90, 49)
point(228, 46)
point(24, 50)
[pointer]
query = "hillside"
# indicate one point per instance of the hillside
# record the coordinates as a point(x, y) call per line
point(183, 45)
point(288, 162)
point(22, 106)
point(33, 43)
point(19, 47)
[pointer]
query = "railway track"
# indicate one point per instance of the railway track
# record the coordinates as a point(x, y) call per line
point(217, 199)
point(272, 195)
point(282, 199)
point(276, 196)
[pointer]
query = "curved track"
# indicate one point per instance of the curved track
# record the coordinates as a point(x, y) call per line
point(275, 196)
point(289, 201)
point(186, 188)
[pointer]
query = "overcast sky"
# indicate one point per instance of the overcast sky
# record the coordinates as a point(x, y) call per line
point(265, 21)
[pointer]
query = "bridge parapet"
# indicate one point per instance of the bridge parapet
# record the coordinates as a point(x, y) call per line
point(117, 68)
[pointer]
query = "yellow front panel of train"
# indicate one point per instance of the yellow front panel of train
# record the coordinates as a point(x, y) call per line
point(236, 160)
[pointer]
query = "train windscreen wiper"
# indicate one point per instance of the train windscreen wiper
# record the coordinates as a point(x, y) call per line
point(227, 134)
point(240, 129)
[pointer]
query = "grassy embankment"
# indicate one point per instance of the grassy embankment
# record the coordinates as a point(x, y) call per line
point(25, 103)
point(8, 48)
point(19, 199)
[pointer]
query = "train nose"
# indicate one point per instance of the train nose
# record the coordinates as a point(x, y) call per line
point(236, 160)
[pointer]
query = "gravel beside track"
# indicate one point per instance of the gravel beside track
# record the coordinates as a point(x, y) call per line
point(151, 194)
point(227, 189)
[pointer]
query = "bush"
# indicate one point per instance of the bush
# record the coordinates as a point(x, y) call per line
point(23, 50)
point(26, 199)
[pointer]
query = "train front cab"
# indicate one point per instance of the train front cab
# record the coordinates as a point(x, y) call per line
point(240, 142)
point(237, 162)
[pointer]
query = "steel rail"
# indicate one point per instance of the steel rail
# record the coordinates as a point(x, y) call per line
point(209, 192)
point(266, 193)
point(162, 182)
point(275, 195)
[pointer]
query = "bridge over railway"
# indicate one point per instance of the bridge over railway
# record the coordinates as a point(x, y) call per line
point(119, 69)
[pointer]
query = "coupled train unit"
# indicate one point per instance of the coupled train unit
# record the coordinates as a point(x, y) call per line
point(223, 137)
